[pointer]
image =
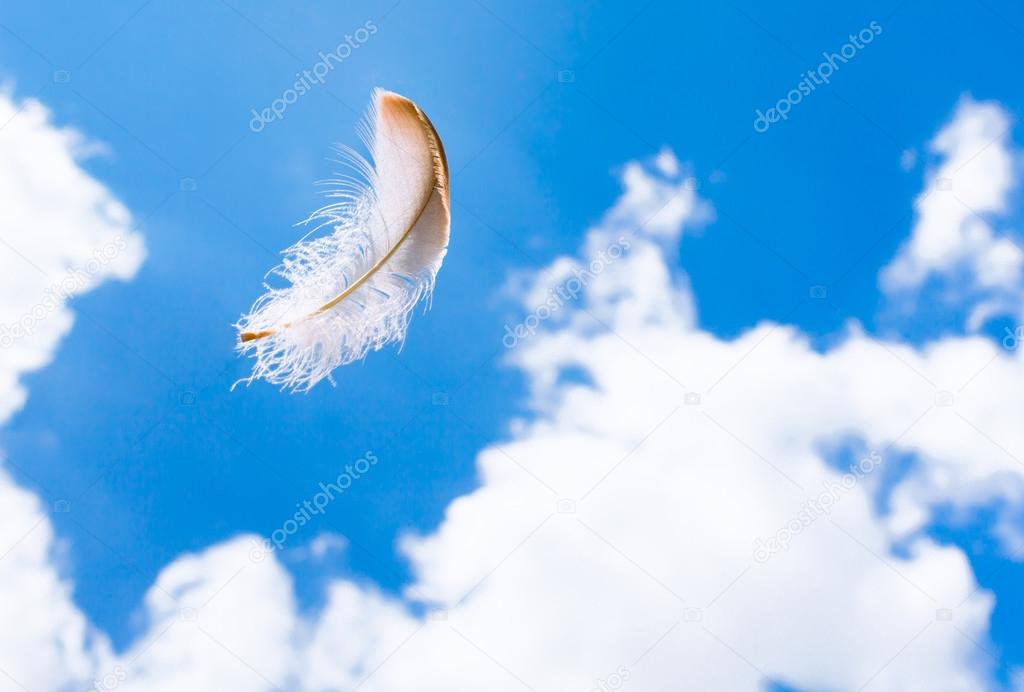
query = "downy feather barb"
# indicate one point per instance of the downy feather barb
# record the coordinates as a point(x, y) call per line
point(353, 291)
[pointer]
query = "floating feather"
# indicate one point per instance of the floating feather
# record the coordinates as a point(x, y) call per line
point(353, 291)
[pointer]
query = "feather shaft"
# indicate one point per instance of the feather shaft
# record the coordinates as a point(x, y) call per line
point(251, 336)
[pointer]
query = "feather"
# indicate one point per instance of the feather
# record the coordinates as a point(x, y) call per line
point(353, 291)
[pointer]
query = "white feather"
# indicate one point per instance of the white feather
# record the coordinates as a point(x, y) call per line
point(353, 291)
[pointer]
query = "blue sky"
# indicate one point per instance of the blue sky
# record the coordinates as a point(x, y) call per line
point(540, 105)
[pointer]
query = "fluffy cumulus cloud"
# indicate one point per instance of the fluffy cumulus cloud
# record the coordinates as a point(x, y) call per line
point(61, 234)
point(45, 641)
point(960, 238)
point(681, 512)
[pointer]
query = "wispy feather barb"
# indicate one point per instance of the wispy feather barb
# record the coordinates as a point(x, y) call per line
point(353, 291)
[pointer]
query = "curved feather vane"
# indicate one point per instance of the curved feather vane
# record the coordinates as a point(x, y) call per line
point(353, 291)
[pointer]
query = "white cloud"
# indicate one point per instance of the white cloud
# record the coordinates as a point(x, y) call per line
point(326, 543)
point(653, 573)
point(954, 238)
point(218, 621)
point(45, 640)
point(615, 536)
point(659, 199)
point(61, 234)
